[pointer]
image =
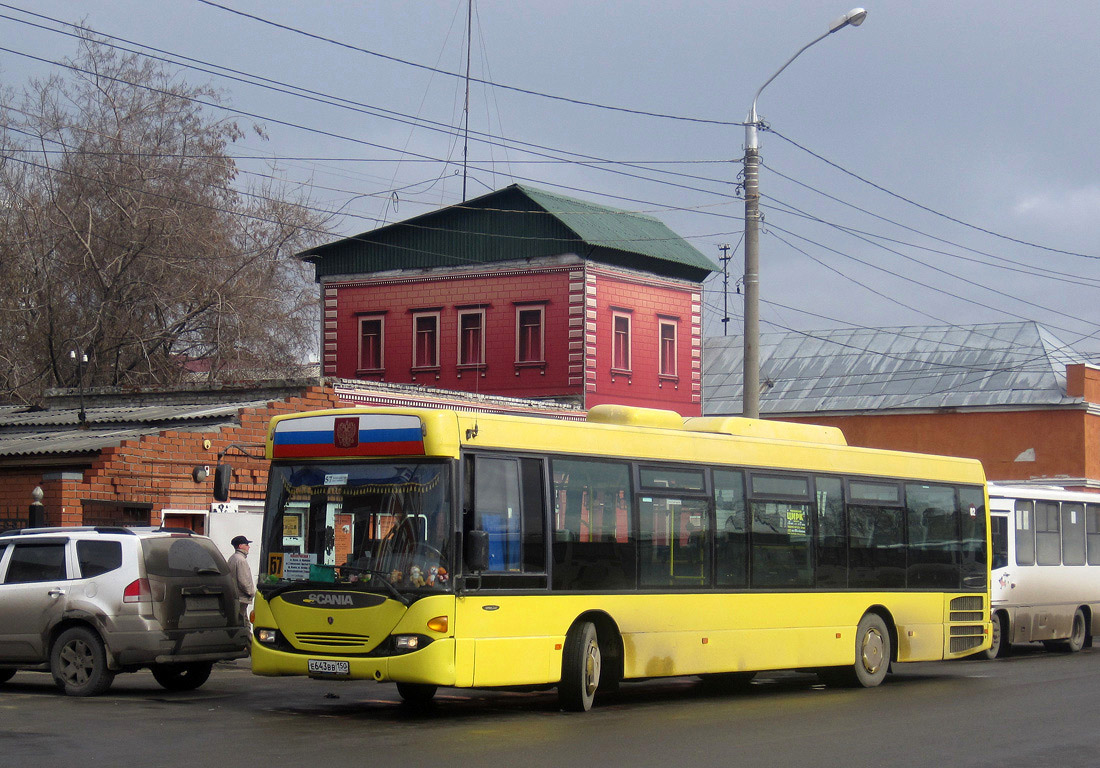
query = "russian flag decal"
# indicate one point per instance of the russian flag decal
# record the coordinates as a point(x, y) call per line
point(382, 434)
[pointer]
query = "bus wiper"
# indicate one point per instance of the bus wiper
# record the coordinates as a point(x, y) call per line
point(380, 576)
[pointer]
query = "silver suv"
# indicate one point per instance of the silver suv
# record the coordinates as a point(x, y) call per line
point(87, 603)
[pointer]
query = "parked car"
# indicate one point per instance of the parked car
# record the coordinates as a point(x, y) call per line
point(86, 603)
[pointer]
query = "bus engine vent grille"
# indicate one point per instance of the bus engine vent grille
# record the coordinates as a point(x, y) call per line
point(966, 638)
point(332, 639)
point(969, 608)
point(968, 603)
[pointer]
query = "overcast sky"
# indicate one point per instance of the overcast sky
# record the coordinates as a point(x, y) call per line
point(934, 166)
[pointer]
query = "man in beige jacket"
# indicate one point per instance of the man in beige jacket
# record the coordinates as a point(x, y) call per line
point(242, 574)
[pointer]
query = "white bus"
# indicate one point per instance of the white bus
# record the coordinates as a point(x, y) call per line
point(1046, 567)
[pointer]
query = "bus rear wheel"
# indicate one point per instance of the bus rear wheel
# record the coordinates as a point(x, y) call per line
point(872, 657)
point(1076, 639)
point(580, 668)
point(872, 650)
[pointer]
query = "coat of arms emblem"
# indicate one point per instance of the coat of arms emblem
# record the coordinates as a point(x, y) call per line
point(345, 432)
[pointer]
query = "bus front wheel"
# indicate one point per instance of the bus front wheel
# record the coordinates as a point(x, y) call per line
point(998, 643)
point(580, 668)
point(416, 694)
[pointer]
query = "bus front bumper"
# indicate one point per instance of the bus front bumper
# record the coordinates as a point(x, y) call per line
point(434, 664)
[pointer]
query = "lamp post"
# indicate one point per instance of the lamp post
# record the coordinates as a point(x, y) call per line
point(750, 391)
point(80, 358)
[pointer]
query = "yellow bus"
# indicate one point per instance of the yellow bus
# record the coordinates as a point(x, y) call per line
point(439, 548)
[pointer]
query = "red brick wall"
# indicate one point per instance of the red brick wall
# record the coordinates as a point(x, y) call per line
point(646, 300)
point(996, 438)
point(395, 300)
point(155, 470)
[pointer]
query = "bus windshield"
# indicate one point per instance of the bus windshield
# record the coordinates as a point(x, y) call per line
point(381, 526)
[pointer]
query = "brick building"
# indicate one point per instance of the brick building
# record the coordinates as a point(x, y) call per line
point(147, 457)
point(519, 293)
point(1009, 394)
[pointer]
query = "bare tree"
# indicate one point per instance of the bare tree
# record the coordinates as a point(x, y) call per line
point(126, 237)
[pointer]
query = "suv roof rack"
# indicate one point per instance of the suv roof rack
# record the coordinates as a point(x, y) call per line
point(133, 530)
point(69, 529)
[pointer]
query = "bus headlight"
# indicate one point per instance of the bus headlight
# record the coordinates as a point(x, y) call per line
point(267, 636)
point(406, 643)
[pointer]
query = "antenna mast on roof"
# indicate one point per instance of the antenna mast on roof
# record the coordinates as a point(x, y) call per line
point(466, 133)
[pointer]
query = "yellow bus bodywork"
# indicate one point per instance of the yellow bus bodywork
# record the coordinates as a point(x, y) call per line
point(513, 640)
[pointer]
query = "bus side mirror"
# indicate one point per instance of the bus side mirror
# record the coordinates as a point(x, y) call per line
point(477, 551)
point(223, 473)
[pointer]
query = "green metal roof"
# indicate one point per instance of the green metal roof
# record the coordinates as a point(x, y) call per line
point(516, 222)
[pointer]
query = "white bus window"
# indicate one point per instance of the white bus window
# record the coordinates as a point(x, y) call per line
point(1048, 542)
point(999, 527)
point(1025, 533)
point(1073, 533)
point(1092, 532)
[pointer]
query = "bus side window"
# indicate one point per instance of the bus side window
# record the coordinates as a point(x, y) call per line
point(972, 525)
point(508, 504)
point(1092, 532)
point(832, 536)
point(1048, 538)
point(731, 535)
point(1025, 536)
point(999, 527)
point(593, 544)
point(1073, 533)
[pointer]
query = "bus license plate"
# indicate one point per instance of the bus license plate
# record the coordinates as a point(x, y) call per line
point(326, 667)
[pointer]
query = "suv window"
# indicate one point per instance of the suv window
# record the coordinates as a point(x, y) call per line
point(98, 557)
point(36, 562)
point(181, 557)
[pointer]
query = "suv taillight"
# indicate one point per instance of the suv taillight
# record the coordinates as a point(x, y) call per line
point(138, 591)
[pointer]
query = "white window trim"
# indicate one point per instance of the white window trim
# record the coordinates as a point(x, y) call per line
point(520, 309)
point(481, 338)
point(416, 347)
point(381, 341)
point(629, 340)
point(674, 369)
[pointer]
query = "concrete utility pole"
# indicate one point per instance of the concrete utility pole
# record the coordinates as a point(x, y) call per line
point(750, 392)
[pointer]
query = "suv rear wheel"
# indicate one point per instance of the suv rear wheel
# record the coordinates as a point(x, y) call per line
point(182, 677)
point(79, 663)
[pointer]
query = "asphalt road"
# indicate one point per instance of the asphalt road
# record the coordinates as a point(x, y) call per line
point(1032, 709)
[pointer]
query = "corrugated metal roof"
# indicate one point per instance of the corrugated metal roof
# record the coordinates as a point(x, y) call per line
point(57, 431)
point(620, 230)
point(514, 223)
point(916, 367)
point(39, 442)
point(104, 415)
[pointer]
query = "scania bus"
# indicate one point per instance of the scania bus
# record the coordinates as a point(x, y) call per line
point(441, 548)
point(1046, 567)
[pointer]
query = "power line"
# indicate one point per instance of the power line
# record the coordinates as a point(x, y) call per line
point(1018, 266)
point(526, 91)
point(924, 207)
point(355, 106)
point(941, 271)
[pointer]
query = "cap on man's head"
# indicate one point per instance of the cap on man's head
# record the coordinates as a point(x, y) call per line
point(238, 540)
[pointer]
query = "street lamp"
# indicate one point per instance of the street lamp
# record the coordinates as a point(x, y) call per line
point(750, 391)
